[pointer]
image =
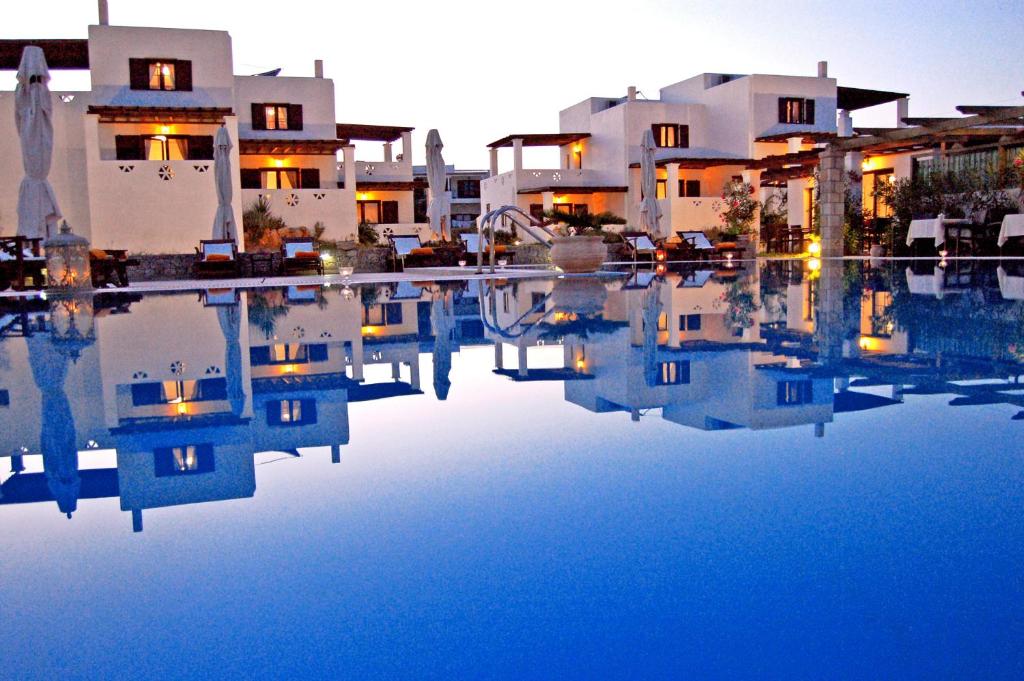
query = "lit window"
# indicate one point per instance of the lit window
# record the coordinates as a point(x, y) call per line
point(671, 135)
point(165, 148)
point(291, 411)
point(673, 373)
point(161, 75)
point(661, 189)
point(794, 393)
point(277, 116)
point(185, 458)
point(796, 110)
point(280, 179)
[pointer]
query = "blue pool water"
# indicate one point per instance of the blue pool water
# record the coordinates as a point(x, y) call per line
point(773, 471)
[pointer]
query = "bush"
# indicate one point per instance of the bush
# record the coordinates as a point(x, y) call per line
point(258, 221)
point(368, 234)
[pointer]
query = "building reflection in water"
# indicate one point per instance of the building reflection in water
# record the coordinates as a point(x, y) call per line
point(187, 388)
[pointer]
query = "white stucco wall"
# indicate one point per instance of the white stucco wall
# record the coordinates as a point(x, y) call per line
point(316, 95)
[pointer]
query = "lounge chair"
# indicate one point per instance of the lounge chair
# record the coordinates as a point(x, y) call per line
point(109, 266)
point(216, 297)
point(471, 245)
point(694, 244)
point(301, 255)
point(641, 246)
point(302, 294)
point(402, 247)
point(217, 258)
point(21, 259)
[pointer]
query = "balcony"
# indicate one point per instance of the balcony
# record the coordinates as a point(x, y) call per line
point(690, 213)
point(334, 208)
point(379, 171)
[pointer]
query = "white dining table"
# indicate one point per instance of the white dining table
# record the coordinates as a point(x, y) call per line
point(931, 228)
point(1013, 225)
point(1010, 287)
point(926, 284)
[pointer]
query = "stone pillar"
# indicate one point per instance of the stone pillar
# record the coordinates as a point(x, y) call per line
point(830, 318)
point(673, 324)
point(549, 200)
point(396, 371)
point(388, 158)
point(793, 144)
point(414, 372)
point(830, 197)
point(104, 12)
point(494, 162)
point(517, 154)
point(349, 159)
point(318, 68)
point(672, 188)
point(407, 148)
point(357, 358)
point(524, 367)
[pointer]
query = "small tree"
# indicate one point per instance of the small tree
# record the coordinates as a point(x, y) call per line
point(258, 221)
point(741, 208)
point(368, 234)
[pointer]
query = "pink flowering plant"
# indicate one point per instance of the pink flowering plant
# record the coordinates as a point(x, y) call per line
point(741, 208)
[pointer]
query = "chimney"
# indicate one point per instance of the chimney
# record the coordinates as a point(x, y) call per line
point(902, 111)
point(318, 68)
point(631, 93)
point(104, 13)
point(822, 69)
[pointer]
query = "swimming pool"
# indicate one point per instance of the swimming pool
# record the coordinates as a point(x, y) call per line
point(788, 469)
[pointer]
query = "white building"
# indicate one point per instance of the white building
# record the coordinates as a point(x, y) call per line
point(710, 129)
point(464, 186)
point(133, 155)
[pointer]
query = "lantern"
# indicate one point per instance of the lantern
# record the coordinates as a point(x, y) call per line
point(72, 324)
point(67, 260)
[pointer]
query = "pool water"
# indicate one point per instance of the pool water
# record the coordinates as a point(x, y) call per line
point(789, 469)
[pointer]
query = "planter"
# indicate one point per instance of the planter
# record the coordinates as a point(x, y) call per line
point(578, 254)
point(579, 295)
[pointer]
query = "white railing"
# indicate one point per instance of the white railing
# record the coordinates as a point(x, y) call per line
point(561, 177)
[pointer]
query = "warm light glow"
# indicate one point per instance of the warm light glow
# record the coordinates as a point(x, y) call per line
point(814, 248)
point(869, 343)
point(363, 196)
point(165, 129)
point(577, 147)
point(814, 264)
point(182, 409)
point(369, 330)
point(661, 269)
point(660, 254)
point(581, 364)
point(166, 70)
point(278, 163)
point(289, 368)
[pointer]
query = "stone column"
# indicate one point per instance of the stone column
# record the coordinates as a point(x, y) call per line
point(672, 183)
point(407, 149)
point(387, 153)
point(517, 154)
point(349, 158)
point(549, 200)
point(673, 324)
point(902, 111)
point(830, 196)
point(357, 358)
point(845, 124)
point(494, 162)
point(524, 367)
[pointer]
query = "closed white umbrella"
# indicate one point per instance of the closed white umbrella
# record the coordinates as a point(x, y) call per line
point(224, 226)
point(437, 209)
point(33, 115)
point(650, 211)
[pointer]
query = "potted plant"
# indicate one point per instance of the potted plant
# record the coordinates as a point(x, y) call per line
point(581, 246)
point(740, 213)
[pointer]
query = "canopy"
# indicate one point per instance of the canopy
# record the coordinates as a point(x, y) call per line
point(650, 211)
point(437, 209)
point(224, 226)
point(33, 116)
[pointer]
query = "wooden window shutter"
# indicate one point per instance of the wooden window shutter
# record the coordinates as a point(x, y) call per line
point(128, 147)
point(693, 187)
point(251, 178)
point(259, 116)
point(683, 139)
point(537, 211)
point(295, 117)
point(656, 131)
point(200, 148)
point(389, 212)
point(682, 188)
point(309, 178)
point(782, 110)
point(809, 111)
point(183, 75)
point(138, 74)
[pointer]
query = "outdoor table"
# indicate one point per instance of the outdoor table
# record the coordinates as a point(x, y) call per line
point(931, 228)
point(926, 284)
point(262, 264)
point(1010, 287)
point(1013, 225)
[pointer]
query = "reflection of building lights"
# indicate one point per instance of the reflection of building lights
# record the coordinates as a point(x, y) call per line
point(661, 269)
point(289, 368)
point(869, 343)
point(369, 330)
point(814, 248)
point(814, 264)
point(660, 255)
point(182, 409)
point(581, 364)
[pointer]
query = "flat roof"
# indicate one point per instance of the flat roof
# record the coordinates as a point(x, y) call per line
point(542, 139)
point(853, 98)
point(612, 189)
point(369, 132)
point(60, 54)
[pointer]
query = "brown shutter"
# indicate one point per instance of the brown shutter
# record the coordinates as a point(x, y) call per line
point(309, 178)
point(693, 187)
point(259, 116)
point(682, 188)
point(128, 147)
point(138, 74)
point(200, 148)
point(295, 117)
point(537, 211)
point(183, 75)
point(655, 130)
point(683, 139)
point(782, 110)
point(251, 178)
point(809, 111)
point(389, 212)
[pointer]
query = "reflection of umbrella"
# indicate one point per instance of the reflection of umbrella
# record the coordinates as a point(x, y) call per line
point(438, 208)
point(57, 435)
point(229, 317)
point(652, 312)
point(224, 226)
point(33, 116)
point(650, 211)
point(441, 325)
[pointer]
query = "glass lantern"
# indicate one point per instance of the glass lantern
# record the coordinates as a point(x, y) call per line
point(67, 261)
point(72, 324)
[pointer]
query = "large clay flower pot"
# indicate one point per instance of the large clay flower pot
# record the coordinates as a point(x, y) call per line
point(580, 295)
point(578, 254)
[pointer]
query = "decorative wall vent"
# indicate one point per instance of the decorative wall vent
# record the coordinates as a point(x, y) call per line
point(140, 376)
point(166, 173)
point(299, 332)
point(292, 200)
point(67, 99)
point(319, 196)
point(213, 371)
point(326, 334)
point(126, 169)
point(177, 367)
point(369, 169)
point(202, 168)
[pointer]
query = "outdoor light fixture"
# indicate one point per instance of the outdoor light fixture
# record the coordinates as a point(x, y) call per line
point(660, 269)
point(67, 261)
point(814, 264)
point(660, 255)
point(278, 163)
point(72, 324)
point(814, 248)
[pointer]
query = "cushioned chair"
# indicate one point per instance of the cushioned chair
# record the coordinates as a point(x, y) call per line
point(217, 258)
point(470, 243)
point(401, 248)
point(109, 266)
point(21, 260)
point(640, 245)
point(301, 255)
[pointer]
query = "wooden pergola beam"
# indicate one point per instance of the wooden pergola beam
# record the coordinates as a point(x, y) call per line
point(908, 135)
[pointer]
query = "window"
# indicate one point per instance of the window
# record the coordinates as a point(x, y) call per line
point(163, 147)
point(689, 322)
point(5, 398)
point(673, 373)
point(796, 110)
point(287, 353)
point(874, 181)
point(580, 209)
point(661, 189)
point(175, 392)
point(166, 148)
point(671, 135)
point(377, 212)
point(467, 189)
point(276, 116)
point(384, 314)
point(291, 412)
point(689, 188)
point(183, 460)
point(160, 74)
point(537, 298)
point(794, 393)
point(277, 178)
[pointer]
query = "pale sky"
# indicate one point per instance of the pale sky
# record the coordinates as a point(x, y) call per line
point(479, 70)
